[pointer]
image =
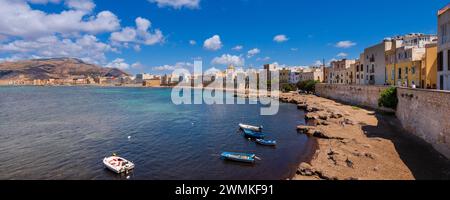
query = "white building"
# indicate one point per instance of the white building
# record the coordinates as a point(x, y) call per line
point(443, 74)
point(140, 78)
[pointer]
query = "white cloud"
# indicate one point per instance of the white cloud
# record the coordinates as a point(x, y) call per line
point(318, 63)
point(345, 44)
point(253, 52)
point(192, 42)
point(137, 65)
point(178, 65)
point(238, 48)
point(85, 5)
point(263, 59)
point(118, 63)
point(18, 19)
point(227, 59)
point(342, 55)
point(177, 4)
point(294, 49)
point(280, 38)
point(214, 43)
point(140, 35)
point(87, 48)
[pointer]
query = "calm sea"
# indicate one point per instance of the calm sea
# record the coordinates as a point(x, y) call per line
point(65, 132)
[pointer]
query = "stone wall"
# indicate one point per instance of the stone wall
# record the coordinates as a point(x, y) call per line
point(426, 113)
point(361, 95)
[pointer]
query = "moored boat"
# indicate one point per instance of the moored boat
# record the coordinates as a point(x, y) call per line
point(250, 127)
point(266, 142)
point(117, 164)
point(239, 157)
point(253, 134)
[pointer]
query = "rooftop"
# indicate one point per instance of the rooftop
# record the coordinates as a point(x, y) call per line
point(444, 9)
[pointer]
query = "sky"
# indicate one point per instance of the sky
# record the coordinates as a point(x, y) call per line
point(158, 36)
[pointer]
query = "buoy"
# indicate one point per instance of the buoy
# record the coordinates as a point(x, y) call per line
point(129, 137)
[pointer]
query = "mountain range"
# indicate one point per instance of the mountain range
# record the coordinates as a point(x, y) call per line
point(55, 68)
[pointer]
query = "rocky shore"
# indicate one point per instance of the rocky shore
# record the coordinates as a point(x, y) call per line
point(359, 144)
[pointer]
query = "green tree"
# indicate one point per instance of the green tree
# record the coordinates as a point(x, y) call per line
point(307, 86)
point(388, 98)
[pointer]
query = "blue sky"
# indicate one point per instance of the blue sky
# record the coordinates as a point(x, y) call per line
point(308, 31)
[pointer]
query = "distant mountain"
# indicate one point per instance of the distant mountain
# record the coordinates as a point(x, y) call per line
point(54, 68)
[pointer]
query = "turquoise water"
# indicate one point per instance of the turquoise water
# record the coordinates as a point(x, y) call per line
point(65, 132)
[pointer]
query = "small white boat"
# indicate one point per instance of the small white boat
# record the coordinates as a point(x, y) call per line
point(249, 127)
point(117, 164)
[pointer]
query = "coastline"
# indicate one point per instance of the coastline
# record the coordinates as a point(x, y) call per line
point(354, 143)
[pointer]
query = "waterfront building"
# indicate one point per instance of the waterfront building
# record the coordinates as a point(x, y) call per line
point(405, 64)
point(312, 74)
point(326, 73)
point(359, 71)
point(140, 78)
point(339, 72)
point(429, 67)
point(294, 77)
point(156, 82)
point(443, 57)
point(284, 75)
point(375, 63)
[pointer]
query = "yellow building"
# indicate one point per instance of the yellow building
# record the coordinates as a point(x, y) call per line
point(429, 67)
point(412, 66)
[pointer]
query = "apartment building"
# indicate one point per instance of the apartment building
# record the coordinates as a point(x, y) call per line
point(339, 73)
point(443, 57)
point(375, 63)
point(405, 64)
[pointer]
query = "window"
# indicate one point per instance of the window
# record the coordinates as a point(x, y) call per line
point(367, 68)
point(393, 74)
point(399, 73)
point(440, 61)
point(441, 82)
point(413, 70)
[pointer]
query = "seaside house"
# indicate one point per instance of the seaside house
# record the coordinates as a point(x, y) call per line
point(359, 70)
point(443, 57)
point(405, 60)
point(284, 75)
point(339, 72)
point(156, 82)
point(429, 67)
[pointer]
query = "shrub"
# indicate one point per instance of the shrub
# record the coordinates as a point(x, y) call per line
point(388, 98)
point(307, 86)
point(288, 87)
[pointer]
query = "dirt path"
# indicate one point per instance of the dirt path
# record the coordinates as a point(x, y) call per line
point(359, 144)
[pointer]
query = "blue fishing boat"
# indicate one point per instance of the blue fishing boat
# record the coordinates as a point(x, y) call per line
point(253, 134)
point(239, 157)
point(266, 142)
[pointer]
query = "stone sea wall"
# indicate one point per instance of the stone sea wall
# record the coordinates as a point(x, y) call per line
point(360, 95)
point(424, 113)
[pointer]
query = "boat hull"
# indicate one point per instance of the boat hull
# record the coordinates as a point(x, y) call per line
point(239, 157)
point(249, 127)
point(117, 164)
point(266, 142)
point(252, 134)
